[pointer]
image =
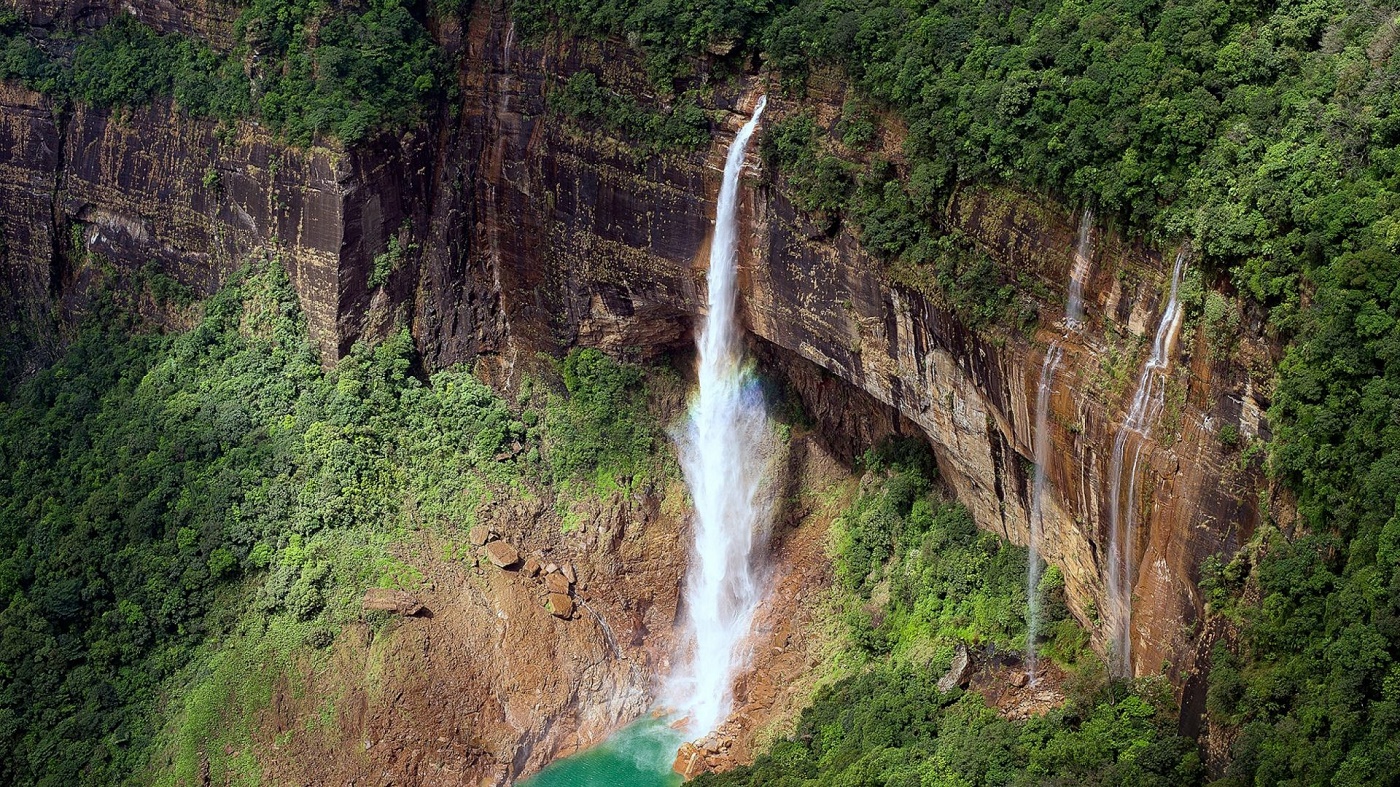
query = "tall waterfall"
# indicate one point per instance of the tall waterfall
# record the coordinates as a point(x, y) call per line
point(1122, 509)
point(1074, 321)
point(721, 456)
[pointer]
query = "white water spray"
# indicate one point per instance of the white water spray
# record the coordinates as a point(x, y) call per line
point(722, 458)
point(1074, 320)
point(1122, 510)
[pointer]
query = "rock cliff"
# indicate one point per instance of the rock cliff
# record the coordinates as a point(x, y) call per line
point(585, 243)
point(529, 233)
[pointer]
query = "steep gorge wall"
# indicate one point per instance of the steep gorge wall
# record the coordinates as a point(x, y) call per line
point(210, 20)
point(599, 247)
point(532, 234)
point(152, 184)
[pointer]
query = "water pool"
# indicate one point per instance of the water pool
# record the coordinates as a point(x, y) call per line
point(639, 755)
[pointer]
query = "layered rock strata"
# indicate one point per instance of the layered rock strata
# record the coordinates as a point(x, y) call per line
point(530, 233)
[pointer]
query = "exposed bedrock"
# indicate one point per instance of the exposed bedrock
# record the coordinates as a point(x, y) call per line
point(527, 234)
point(587, 244)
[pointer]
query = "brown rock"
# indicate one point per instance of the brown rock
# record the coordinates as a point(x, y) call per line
point(568, 571)
point(556, 583)
point(690, 760)
point(560, 605)
point(551, 568)
point(501, 554)
point(1019, 679)
point(958, 672)
point(532, 567)
point(479, 535)
point(388, 600)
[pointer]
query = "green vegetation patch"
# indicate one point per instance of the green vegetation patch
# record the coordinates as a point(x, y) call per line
point(919, 579)
point(307, 69)
point(670, 33)
point(682, 125)
point(177, 508)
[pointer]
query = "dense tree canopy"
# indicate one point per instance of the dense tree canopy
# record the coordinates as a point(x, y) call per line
point(305, 68)
point(155, 487)
point(1265, 135)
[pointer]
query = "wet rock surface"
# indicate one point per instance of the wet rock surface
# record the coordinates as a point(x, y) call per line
point(536, 236)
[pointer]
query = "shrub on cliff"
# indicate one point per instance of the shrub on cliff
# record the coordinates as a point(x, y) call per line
point(683, 125)
point(305, 68)
point(599, 426)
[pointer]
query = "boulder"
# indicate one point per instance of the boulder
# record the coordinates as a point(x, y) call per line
point(501, 554)
point(1019, 679)
point(556, 583)
point(560, 605)
point(568, 571)
point(958, 672)
point(479, 535)
point(532, 567)
point(551, 568)
point(689, 762)
point(395, 601)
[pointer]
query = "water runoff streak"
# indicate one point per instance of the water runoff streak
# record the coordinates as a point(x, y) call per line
point(723, 460)
point(1122, 509)
point(1074, 321)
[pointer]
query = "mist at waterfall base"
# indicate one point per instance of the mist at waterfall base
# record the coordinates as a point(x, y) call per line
point(723, 458)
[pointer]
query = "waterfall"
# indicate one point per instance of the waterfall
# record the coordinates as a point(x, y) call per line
point(721, 457)
point(1122, 510)
point(1074, 320)
point(1037, 514)
point(1074, 307)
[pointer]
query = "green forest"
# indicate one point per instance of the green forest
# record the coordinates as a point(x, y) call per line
point(318, 72)
point(164, 497)
point(1265, 135)
point(150, 480)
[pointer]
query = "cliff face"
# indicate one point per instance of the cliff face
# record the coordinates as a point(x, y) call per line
point(151, 184)
point(210, 20)
point(974, 396)
point(528, 234)
point(586, 244)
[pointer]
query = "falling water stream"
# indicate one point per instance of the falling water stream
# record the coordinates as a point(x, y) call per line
point(723, 459)
point(1122, 509)
point(1074, 321)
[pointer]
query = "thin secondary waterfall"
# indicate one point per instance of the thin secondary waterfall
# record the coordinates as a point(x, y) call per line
point(1037, 518)
point(1122, 510)
point(1074, 321)
point(1074, 306)
point(722, 458)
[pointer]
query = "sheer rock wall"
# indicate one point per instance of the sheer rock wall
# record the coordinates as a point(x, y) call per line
point(527, 233)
